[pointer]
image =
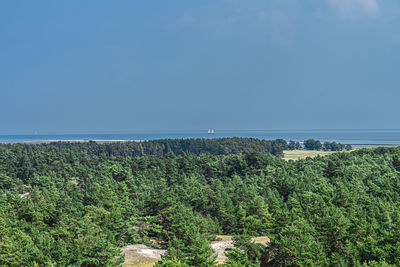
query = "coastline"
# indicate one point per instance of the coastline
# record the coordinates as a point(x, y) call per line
point(47, 141)
point(364, 138)
point(80, 141)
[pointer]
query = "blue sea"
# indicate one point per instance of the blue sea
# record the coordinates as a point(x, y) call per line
point(361, 138)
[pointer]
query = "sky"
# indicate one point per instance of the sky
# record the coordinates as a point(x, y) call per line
point(127, 65)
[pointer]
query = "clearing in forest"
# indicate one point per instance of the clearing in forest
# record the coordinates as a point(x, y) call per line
point(225, 241)
point(141, 255)
point(302, 154)
point(144, 256)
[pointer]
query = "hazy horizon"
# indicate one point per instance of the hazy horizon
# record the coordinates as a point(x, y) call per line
point(161, 131)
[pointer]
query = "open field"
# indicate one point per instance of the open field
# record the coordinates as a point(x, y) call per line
point(302, 154)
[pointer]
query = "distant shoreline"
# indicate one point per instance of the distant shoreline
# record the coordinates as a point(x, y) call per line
point(355, 138)
point(80, 141)
point(47, 141)
point(372, 144)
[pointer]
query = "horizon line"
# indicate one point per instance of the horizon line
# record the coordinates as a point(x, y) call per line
point(187, 130)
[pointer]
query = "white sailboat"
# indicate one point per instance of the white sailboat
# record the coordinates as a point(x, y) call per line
point(210, 131)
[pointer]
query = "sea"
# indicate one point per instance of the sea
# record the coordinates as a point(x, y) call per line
point(359, 137)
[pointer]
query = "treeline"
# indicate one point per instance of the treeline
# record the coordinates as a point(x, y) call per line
point(311, 144)
point(197, 146)
point(66, 207)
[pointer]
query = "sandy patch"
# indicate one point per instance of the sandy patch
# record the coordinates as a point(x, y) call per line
point(226, 242)
point(141, 255)
point(220, 246)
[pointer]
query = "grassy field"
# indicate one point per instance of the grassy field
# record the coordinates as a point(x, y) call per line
point(302, 154)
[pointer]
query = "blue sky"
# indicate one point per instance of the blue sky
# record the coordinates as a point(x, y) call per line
point(187, 65)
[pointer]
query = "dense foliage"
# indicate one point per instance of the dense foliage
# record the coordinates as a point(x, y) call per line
point(214, 146)
point(66, 205)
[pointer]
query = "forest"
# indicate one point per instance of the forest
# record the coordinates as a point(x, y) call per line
point(77, 204)
point(197, 146)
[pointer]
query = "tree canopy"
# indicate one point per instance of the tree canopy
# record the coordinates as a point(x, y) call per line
point(69, 204)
